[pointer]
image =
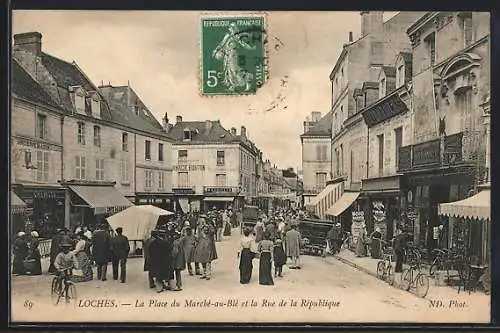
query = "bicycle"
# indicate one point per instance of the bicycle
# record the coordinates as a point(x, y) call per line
point(385, 271)
point(63, 287)
point(413, 277)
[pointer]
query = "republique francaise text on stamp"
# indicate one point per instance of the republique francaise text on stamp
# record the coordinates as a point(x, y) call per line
point(232, 55)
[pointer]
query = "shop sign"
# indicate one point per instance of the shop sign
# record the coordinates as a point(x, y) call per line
point(219, 190)
point(37, 145)
point(113, 210)
point(191, 167)
point(379, 217)
point(182, 190)
point(44, 195)
point(358, 223)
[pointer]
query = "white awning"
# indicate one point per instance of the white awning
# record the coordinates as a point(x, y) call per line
point(104, 199)
point(321, 195)
point(477, 206)
point(17, 206)
point(343, 203)
point(219, 199)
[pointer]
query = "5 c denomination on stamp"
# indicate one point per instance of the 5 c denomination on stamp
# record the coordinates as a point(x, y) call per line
point(232, 55)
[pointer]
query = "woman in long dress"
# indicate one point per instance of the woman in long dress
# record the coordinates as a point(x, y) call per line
point(246, 257)
point(266, 249)
point(82, 258)
point(360, 245)
point(376, 239)
point(21, 251)
point(34, 254)
point(227, 224)
point(259, 230)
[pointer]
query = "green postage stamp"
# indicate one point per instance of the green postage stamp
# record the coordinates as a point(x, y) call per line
point(233, 57)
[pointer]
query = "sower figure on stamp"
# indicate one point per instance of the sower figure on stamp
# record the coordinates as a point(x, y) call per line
point(101, 251)
point(120, 249)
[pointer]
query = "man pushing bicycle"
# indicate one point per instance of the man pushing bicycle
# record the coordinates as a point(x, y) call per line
point(64, 263)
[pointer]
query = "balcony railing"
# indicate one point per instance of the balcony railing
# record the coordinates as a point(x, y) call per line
point(434, 153)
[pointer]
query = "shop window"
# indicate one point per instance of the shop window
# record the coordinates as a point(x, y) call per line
point(80, 167)
point(221, 158)
point(97, 136)
point(220, 179)
point(99, 169)
point(81, 132)
point(41, 126)
point(147, 150)
point(182, 156)
point(42, 164)
point(125, 141)
point(160, 152)
point(148, 176)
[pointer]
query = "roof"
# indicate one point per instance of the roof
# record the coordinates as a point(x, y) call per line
point(66, 75)
point(322, 128)
point(389, 71)
point(370, 85)
point(122, 100)
point(216, 133)
point(422, 20)
point(24, 86)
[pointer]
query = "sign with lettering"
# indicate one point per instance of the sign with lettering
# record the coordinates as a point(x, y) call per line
point(44, 195)
point(193, 167)
point(37, 145)
point(183, 190)
point(229, 190)
point(358, 223)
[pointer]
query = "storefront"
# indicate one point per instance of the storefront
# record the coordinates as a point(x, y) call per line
point(344, 208)
point(18, 212)
point(426, 190)
point(160, 200)
point(186, 200)
point(91, 203)
point(384, 203)
point(46, 204)
point(321, 203)
point(469, 222)
point(222, 198)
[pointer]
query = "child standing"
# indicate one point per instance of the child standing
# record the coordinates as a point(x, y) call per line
point(178, 259)
point(279, 257)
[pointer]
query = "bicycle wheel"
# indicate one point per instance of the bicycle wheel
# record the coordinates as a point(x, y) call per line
point(381, 269)
point(435, 266)
point(71, 293)
point(390, 275)
point(55, 290)
point(406, 279)
point(422, 285)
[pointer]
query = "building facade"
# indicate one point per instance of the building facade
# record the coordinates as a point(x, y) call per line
point(446, 160)
point(316, 154)
point(213, 167)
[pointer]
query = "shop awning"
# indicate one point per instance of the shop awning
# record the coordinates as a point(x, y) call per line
point(103, 199)
point(311, 206)
point(343, 203)
point(219, 199)
point(477, 206)
point(17, 205)
point(184, 203)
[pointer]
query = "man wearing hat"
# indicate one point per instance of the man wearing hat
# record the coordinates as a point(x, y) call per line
point(55, 248)
point(120, 249)
point(101, 251)
point(65, 261)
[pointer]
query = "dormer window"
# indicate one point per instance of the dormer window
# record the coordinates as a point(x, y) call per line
point(78, 96)
point(187, 134)
point(400, 76)
point(95, 106)
point(382, 87)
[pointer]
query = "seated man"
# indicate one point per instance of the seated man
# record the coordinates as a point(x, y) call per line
point(64, 262)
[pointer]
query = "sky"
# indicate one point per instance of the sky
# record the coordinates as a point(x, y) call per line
point(158, 54)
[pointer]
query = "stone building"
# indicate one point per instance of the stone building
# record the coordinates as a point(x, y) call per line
point(152, 168)
point(86, 133)
point(355, 83)
point(212, 167)
point(316, 156)
point(446, 160)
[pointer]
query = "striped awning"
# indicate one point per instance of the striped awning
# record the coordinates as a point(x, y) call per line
point(103, 199)
point(475, 207)
point(17, 206)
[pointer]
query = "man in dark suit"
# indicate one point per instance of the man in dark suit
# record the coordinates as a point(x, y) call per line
point(147, 242)
point(120, 249)
point(101, 251)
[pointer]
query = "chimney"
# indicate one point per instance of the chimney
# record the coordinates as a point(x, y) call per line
point(178, 119)
point(29, 41)
point(350, 36)
point(233, 130)
point(243, 131)
point(165, 123)
point(316, 116)
point(371, 22)
point(208, 126)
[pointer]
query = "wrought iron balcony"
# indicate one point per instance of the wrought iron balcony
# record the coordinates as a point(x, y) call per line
point(430, 154)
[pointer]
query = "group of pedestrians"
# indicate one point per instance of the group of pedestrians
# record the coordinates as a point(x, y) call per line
point(273, 240)
point(26, 252)
point(188, 241)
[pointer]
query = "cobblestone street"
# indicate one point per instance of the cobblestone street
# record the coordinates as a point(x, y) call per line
point(326, 290)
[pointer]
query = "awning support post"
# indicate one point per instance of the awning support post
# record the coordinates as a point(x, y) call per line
point(67, 209)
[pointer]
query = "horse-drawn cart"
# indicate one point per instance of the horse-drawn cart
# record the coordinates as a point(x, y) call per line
point(313, 233)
